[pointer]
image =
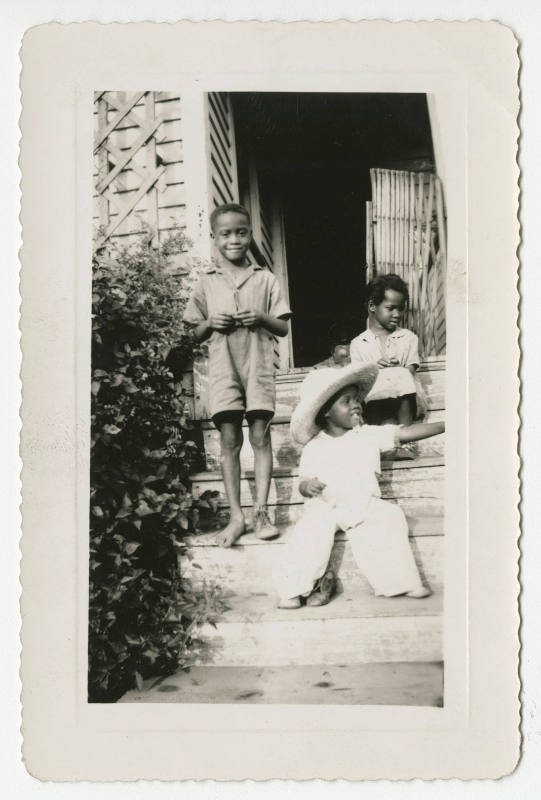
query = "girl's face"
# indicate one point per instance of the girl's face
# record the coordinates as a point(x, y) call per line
point(389, 312)
point(345, 412)
point(233, 235)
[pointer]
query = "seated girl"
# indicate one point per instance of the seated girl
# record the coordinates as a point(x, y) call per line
point(397, 395)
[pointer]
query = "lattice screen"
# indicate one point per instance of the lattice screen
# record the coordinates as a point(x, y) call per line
point(138, 158)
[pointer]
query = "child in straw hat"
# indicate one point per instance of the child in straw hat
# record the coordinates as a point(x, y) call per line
point(338, 477)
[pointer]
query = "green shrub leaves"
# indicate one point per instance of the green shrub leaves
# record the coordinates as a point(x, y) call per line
point(142, 613)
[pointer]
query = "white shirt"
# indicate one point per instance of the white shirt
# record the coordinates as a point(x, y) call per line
point(348, 466)
point(401, 344)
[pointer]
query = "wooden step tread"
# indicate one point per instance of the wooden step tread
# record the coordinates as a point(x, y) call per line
point(286, 507)
point(250, 572)
point(287, 453)
point(417, 488)
point(399, 683)
point(292, 640)
point(355, 600)
point(285, 419)
point(286, 472)
point(429, 525)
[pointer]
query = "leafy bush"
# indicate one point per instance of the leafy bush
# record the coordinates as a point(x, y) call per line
point(143, 613)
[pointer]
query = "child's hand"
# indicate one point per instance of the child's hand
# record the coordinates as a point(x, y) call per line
point(383, 362)
point(311, 487)
point(249, 319)
point(221, 321)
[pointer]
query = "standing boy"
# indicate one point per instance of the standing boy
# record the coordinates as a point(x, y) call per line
point(238, 307)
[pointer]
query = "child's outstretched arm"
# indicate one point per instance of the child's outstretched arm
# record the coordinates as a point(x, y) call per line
point(419, 430)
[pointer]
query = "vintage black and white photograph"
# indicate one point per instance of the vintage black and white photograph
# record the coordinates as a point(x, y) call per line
point(268, 399)
point(270, 338)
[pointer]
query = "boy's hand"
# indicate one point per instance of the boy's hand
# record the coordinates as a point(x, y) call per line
point(250, 319)
point(221, 322)
point(311, 487)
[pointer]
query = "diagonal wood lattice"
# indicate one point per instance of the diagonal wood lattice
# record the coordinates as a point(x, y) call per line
point(406, 235)
point(113, 158)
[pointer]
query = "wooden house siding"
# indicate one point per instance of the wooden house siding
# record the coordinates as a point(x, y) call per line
point(139, 169)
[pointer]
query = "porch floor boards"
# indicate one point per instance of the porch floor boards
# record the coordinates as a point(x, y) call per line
point(397, 684)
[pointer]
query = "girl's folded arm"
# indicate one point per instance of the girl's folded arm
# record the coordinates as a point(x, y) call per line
point(276, 325)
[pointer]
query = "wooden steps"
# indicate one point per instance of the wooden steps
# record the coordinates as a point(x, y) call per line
point(392, 684)
point(415, 485)
point(431, 375)
point(355, 627)
point(358, 649)
point(286, 451)
point(315, 641)
point(247, 569)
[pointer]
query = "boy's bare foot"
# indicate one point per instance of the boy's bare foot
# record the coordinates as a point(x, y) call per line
point(231, 532)
point(422, 591)
point(290, 602)
point(263, 527)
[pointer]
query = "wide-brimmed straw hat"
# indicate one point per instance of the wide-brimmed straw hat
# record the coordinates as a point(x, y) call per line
point(319, 386)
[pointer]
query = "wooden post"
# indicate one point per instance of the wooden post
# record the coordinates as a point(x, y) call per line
point(387, 184)
point(150, 147)
point(400, 180)
point(195, 144)
point(374, 222)
point(391, 176)
point(103, 164)
point(442, 232)
point(285, 344)
point(379, 223)
point(196, 150)
point(369, 242)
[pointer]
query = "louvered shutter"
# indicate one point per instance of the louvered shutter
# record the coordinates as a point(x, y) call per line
point(224, 184)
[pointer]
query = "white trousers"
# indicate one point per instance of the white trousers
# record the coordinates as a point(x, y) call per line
point(380, 546)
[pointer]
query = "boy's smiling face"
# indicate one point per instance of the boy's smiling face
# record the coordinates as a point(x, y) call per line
point(389, 312)
point(233, 234)
point(345, 412)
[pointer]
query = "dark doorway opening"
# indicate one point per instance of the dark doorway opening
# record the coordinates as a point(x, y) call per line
point(314, 152)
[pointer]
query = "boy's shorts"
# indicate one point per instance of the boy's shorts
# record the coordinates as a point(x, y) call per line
point(236, 417)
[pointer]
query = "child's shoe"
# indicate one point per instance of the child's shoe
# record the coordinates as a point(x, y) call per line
point(406, 452)
point(324, 591)
point(290, 602)
point(263, 527)
point(419, 593)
